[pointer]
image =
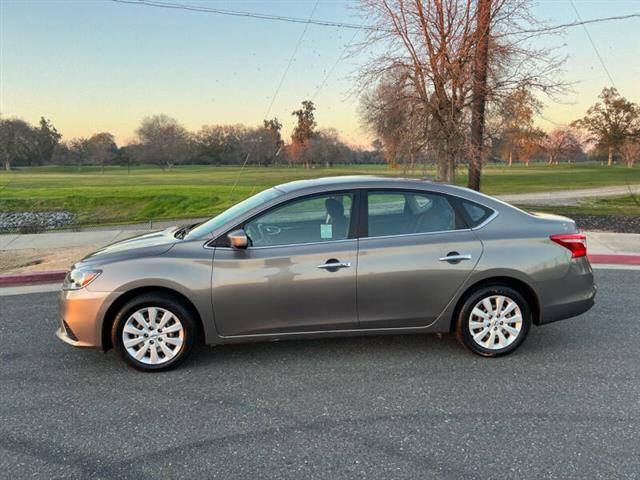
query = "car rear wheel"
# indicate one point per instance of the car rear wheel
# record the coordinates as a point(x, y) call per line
point(152, 333)
point(493, 321)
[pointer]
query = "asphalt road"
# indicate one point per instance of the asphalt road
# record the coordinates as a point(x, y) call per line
point(566, 405)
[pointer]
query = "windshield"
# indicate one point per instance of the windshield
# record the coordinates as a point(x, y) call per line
point(233, 212)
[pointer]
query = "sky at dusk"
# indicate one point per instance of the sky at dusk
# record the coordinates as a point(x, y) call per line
point(96, 65)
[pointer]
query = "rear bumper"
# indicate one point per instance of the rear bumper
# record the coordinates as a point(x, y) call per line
point(570, 296)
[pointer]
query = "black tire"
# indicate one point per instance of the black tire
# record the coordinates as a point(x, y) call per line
point(463, 332)
point(182, 314)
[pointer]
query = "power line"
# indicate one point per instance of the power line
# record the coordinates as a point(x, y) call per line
point(561, 26)
point(333, 67)
point(331, 23)
point(284, 74)
point(293, 55)
point(239, 13)
point(595, 49)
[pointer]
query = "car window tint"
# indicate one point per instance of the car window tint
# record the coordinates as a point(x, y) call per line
point(315, 219)
point(401, 213)
point(476, 213)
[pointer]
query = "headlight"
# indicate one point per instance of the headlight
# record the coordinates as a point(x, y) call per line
point(77, 279)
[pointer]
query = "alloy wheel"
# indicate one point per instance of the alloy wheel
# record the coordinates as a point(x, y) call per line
point(495, 322)
point(153, 335)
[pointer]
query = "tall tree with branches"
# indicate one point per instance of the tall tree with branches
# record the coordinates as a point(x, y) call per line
point(457, 55)
point(611, 121)
point(304, 129)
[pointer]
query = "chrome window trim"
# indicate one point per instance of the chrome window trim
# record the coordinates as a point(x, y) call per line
point(416, 234)
point(288, 244)
point(486, 222)
point(490, 219)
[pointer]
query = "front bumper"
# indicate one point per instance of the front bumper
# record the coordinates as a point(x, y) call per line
point(62, 334)
point(81, 316)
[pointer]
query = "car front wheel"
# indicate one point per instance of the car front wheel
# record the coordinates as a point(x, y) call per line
point(493, 321)
point(152, 333)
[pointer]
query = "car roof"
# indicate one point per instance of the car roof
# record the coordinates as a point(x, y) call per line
point(349, 181)
point(318, 185)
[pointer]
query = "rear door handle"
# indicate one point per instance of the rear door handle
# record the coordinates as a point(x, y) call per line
point(334, 265)
point(455, 258)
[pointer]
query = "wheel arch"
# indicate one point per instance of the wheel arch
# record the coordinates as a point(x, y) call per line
point(120, 301)
point(517, 284)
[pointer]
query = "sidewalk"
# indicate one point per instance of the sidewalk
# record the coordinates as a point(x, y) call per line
point(568, 197)
point(598, 242)
point(37, 258)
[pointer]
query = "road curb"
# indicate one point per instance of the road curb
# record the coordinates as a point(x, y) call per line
point(31, 278)
point(614, 259)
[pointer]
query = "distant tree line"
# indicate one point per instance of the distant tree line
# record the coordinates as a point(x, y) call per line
point(609, 132)
point(163, 141)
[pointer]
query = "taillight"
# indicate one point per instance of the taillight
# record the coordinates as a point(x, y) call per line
point(576, 242)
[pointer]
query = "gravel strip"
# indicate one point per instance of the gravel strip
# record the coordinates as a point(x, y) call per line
point(35, 220)
point(608, 223)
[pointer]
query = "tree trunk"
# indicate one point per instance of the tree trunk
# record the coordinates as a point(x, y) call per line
point(451, 169)
point(510, 157)
point(550, 162)
point(441, 167)
point(479, 93)
point(610, 160)
point(7, 165)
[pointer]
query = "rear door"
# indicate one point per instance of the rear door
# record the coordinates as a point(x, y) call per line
point(415, 252)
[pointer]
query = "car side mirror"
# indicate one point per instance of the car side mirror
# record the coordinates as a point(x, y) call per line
point(238, 239)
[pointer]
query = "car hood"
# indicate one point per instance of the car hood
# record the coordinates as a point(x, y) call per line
point(148, 244)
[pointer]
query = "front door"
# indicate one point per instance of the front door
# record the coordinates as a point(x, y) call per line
point(417, 252)
point(297, 275)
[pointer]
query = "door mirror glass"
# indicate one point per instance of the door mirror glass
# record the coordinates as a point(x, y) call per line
point(238, 239)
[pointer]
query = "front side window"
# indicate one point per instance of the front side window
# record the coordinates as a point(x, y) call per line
point(402, 213)
point(313, 219)
point(233, 212)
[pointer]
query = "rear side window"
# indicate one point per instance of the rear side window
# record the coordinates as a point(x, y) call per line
point(476, 213)
point(404, 212)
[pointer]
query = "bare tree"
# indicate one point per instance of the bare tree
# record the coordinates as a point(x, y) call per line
point(390, 112)
point(102, 149)
point(79, 150)
point(561, 143)
point(630, 151)
point(440, 46)
point(163, 140)
point(515, 114)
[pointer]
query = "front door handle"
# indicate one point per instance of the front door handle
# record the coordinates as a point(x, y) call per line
point(455, 257)
point(334, 265)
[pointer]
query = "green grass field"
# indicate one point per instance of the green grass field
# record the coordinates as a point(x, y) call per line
point(148, 193)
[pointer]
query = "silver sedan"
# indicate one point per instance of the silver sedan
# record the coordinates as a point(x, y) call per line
point(332, 257)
